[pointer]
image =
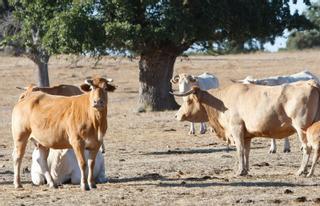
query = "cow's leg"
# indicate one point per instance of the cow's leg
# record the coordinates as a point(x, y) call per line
point(306, 152)
point(78, 147)
point(42, 161)
point(238, 135)
point(192, 130)
point(20, 140)
point(314, 160)
point(247, 142)
point(203, 128)
point(103, 149)
point(273, 146)
point(286, 147)
point(91, 162)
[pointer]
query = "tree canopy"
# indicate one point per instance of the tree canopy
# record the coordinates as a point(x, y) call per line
point(309, 38)
point(157, 30)
point(141, 26)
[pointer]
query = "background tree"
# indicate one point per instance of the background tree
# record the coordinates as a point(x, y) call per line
point(307, 38)
point(161, 30)
point(54, 27)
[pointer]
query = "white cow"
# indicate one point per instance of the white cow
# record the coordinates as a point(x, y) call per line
point(278, 80)
point(205, 81)
point(63, 167)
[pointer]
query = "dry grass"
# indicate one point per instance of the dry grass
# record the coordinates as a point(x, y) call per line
point(150, 159)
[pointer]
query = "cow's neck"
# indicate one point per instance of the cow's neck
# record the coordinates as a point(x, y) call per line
point(99, 119)
point(214, 108)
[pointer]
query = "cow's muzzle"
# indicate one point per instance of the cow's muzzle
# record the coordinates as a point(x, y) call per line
point(98, 104)
point(179, 117)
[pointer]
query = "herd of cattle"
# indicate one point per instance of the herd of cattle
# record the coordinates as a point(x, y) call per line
point(59, 118)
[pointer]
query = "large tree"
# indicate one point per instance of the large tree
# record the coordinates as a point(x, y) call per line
point(161, 30)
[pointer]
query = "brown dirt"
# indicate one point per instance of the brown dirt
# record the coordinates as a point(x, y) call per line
point(150, 158)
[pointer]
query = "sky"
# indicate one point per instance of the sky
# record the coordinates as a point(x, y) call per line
point(280, 42)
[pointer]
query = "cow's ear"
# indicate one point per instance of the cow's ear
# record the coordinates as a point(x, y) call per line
point(85, 87)
point(175, 79)
point(192, 79)
point(110, 87)
point(197, 92)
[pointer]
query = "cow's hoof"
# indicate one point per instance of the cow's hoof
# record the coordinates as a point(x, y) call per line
point(93, 186)
point(286, 150)
point(192, 133)
point(272, 151)
point(53, 186)
point(309, 175)
point(300, 172)
point(203, 131)
point(84, 187)
point(242, 173)
point(18, 186)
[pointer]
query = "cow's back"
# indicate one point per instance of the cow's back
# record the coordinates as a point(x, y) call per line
point(49, 116)
point(271, 110)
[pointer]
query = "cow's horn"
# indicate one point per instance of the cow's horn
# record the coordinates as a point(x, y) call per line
point(109, 80)
point(191, 91)
point(175, 79)
point(22, 88)
point(88, 82)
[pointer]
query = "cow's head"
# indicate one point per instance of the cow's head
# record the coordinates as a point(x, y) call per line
point(98, 88)
point(191, 109)
point(185, 82)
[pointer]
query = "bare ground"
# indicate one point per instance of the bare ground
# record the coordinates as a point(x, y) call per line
point(150, 158)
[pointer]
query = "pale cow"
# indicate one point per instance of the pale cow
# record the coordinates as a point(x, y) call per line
point(278, 80)
point(60, 122)
point(63, 167)
point(205, 81)
point(241, 112)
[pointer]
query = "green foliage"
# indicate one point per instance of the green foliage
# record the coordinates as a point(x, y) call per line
point(75, 31)
point(308, 38)
point(147, 25)
point(57, 26)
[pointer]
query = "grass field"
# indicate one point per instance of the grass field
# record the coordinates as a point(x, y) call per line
point(150, 158)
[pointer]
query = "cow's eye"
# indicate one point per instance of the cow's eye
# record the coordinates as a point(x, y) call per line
point(189, 101)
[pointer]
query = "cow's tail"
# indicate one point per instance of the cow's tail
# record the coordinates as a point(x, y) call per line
point(316, 85)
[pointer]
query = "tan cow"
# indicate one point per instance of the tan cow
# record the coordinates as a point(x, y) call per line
point(58, 122)
point(62, 90)
point(205, 81)
point(243, 111)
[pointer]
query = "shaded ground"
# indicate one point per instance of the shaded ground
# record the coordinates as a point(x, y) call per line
point(150, 158)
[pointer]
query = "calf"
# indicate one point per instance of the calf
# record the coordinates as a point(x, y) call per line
point(205, 81)
point(63, 167)
point(59, 122)
point(279, 80)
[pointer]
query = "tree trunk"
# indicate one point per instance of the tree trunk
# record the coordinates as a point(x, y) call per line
point(42, 63)
point(156, 70)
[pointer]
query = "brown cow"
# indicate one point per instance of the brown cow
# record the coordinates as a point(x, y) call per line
point(62, 90)
point(243, 111)
point(58, 122)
